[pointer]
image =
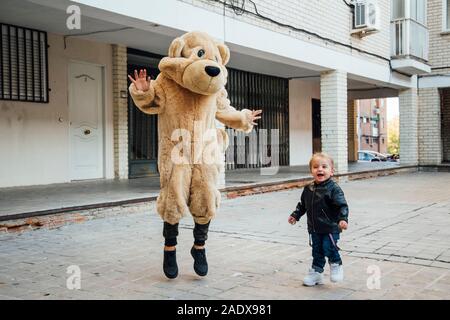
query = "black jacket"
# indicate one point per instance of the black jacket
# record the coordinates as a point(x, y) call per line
point(325, 206)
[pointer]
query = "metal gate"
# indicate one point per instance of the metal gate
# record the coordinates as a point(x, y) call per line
point(260, 147)
point(142, 128)
point(245, 90)
point(445, 123)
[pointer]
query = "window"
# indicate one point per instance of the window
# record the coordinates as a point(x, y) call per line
point(446, 15)
point(398, 9)
point(367, 140)
point(418, 11)
point(23, 64)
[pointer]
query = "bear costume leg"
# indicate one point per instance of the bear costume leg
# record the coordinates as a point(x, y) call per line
point(172, 202)
point(204, 197)
point(172, 206)
point(204, 200)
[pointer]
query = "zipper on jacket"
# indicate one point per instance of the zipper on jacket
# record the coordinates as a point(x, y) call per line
point(326, 215)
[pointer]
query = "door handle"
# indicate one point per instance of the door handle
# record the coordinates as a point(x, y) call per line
point(87, 131)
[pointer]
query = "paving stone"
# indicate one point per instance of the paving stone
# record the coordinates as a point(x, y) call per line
point(253, 253)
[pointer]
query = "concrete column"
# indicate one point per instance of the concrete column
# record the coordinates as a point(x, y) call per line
point(333, 95)
point(120, 94)
point(429, 121)
point(408, 113)
point(352, 136)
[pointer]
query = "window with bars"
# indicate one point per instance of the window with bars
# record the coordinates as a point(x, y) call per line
point(23, 64)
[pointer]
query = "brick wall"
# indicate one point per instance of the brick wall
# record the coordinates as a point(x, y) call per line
point(328, 18)
point(333, 96)
point(439, 51)
point(430, 150)
point(120, 112)
point(408, 118)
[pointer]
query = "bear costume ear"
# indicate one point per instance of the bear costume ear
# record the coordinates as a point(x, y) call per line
point(224, 53)
point(176, 47)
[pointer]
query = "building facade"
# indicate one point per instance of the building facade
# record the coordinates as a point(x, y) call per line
point(434, 89)
point(372, 125)
point(304, 64)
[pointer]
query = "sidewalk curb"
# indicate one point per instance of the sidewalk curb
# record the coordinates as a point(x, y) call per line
point(57, 217)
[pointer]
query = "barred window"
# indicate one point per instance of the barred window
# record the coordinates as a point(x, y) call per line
point(23, 64)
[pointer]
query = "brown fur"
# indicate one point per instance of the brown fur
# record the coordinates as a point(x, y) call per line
point(183, 95)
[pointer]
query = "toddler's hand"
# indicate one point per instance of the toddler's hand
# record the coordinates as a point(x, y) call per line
point(292, 220)
point(343, 225)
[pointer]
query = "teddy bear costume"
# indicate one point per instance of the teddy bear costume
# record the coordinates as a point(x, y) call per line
point(189, 95)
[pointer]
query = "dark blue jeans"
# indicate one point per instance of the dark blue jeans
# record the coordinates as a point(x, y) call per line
point(322, 247)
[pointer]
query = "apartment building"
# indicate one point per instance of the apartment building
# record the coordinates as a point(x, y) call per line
point(434, 89)
point(372, 125)
point(65, 113)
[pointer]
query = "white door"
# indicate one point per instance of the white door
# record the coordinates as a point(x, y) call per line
point(86, 121)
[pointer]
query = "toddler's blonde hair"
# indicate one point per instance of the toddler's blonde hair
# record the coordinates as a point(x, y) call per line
point(321, 155)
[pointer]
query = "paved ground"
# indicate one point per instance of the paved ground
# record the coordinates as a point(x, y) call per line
point(19, 200)
point(397, 247)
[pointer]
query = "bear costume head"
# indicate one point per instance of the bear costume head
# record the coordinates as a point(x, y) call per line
point(197, 62)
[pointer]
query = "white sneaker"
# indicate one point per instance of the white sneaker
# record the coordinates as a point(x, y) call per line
point(313, 278)
point(336, 272)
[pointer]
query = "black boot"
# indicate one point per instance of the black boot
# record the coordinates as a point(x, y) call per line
point(200, 263)
point(170, 266)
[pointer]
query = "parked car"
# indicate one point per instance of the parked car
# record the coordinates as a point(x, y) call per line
point(380, 156)
point(367, 156)
point(393, 157)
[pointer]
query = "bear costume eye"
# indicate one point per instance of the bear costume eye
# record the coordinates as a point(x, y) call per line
point(201, 53)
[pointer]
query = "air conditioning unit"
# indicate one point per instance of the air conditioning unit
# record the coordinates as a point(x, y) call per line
point(366, 17)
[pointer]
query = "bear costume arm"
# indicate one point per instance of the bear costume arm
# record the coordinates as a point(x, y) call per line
point(151, 101)
point(231, 117)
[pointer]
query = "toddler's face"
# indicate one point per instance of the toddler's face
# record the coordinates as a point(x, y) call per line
point(321, 169)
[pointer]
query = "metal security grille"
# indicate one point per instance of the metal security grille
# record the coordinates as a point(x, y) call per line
point(445, 123)
point(271, 94)
point(142, 128)
point(23, 64)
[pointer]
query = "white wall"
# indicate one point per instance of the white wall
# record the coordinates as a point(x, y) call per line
point(300, 122)
point(249, 36)
point(34, 143)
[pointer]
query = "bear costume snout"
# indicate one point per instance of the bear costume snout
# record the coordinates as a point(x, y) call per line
point(203, 76)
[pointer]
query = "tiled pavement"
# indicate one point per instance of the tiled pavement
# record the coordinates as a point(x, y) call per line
point(399, 230)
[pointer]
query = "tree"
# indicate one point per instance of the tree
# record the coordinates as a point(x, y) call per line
point(393, 135)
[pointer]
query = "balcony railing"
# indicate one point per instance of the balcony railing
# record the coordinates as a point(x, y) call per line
point(409, 38)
